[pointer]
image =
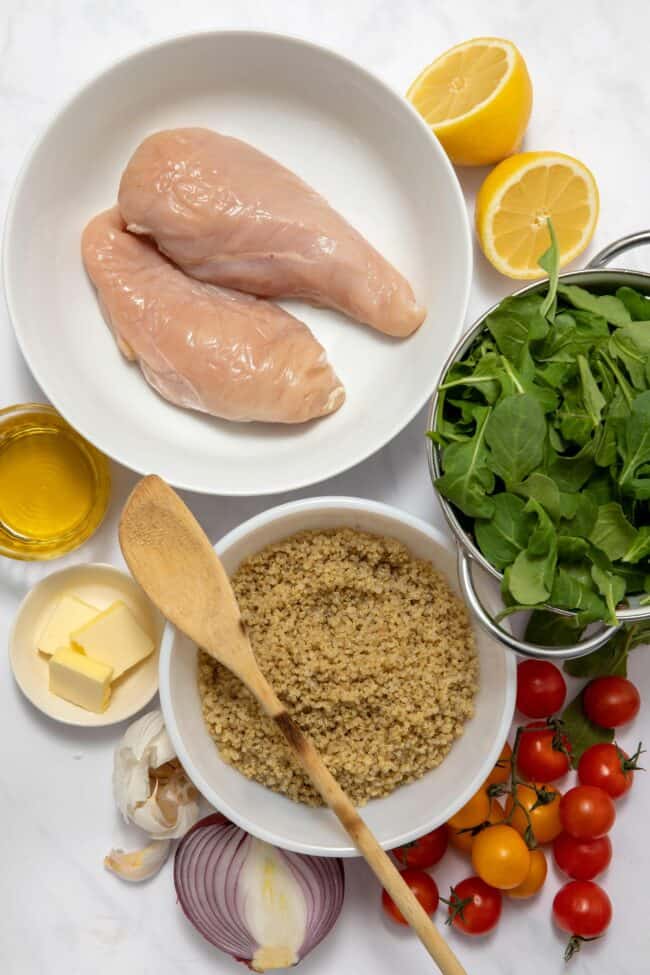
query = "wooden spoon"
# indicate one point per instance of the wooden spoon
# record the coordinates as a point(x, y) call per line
point(171, 557)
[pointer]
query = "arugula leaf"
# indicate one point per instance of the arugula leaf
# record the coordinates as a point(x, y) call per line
point(516, 322)
point(571, 548)
point(579, 513)
point(612, 533)
point(640, 547)
point(549, 629)
point(581, 732)
point(506, 534)
point(634, 447)
point(550, 262)
point(515, 433)
point(624, 347)
point(467, 480)
point(485, 377)
point(609, 307)
point(575, 422)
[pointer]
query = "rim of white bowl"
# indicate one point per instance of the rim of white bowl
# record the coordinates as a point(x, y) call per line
point(328, 503)
point(390, 92)
point(24, 606)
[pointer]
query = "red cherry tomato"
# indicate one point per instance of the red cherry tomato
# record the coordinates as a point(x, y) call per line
point(608, 767)
point(611, 701)
point(542, 753)
point(425, 851)
point(474, 906)
point(541, 688)
point(582, 859)
point(586, 812)
point(584, 910)
point(423, 886)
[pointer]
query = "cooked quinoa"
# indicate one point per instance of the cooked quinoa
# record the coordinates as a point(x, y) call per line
point(369, 648)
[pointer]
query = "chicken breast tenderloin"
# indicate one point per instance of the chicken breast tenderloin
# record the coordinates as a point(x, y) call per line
point(228, 214)
point(204, 347)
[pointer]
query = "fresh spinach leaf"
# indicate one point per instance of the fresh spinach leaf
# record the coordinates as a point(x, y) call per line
point(571, 472)
point(573, 589)
point(592, 397)
point(634, 447)
point(515, 434)
point(607, 306)
point(640, 547)
point(543, 490)
point(611, 658)
point(611, 588)
point(612, 533)
point(579, 513)
point(637, 305)
point(571, 548)
point(576, 425)
point(506, 533)
point(549, 629)
point(550, 262)
point(581, 732)
point(530, 577)
point(467, 480)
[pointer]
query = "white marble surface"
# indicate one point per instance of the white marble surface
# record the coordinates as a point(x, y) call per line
point(59, 911)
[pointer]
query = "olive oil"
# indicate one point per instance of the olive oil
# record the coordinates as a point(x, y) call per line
point(54, 486)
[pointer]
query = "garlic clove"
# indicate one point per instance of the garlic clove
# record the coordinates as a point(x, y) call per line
point(138, 865)
point(150, 818)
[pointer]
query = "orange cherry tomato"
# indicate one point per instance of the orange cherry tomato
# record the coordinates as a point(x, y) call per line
point(463, 840)
point(543, 810)
point(534, 880)
point(501, 771)
point(475, 811)
point(500, 857)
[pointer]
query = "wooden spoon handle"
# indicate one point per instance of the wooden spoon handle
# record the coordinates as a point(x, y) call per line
point(378, 861)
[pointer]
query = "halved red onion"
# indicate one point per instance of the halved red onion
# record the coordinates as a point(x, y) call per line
point(264, 906)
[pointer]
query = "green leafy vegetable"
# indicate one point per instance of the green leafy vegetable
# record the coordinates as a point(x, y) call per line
point(552, 630)
point(544, 435)
point(515, 433)
point(581, 732)
point(612, 533)
point(501, 538)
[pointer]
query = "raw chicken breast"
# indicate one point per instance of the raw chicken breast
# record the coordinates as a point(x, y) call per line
point(204, 347)
point(228, 214)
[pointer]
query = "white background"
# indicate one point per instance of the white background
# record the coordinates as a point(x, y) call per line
point(59, 911)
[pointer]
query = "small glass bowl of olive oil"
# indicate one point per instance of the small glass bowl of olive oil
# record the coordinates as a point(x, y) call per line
point(54, 485)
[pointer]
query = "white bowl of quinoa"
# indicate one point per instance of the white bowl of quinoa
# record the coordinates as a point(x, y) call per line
point(353, 612)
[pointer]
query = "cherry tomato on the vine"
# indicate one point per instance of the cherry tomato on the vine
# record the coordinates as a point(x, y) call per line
point(500, 857)
point(541, 688)
point(542, 803)
point(608, 767)
point(542, 755)
point(462, 839)
point(425, 851)
point(582, 859)
point(611, 701)
point(476, 810)
point(582, 909)
point(423, 886)
point(474, 906)
point(587, 812)
point(501, 771)
point(534, 880)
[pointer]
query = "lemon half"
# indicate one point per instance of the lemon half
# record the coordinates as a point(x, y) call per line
point(477, 98)
point(515, 202)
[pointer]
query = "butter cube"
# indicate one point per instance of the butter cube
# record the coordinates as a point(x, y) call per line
point(80, 679)
point(115, 637)
point(68, 614)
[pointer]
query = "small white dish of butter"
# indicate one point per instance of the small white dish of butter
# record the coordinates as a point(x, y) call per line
point(84, 646)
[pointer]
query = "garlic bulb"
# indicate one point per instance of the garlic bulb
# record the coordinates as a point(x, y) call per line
point(150, 786)
point(138, 865)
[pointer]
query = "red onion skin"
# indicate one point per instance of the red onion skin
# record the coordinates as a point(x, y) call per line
point(218, 919)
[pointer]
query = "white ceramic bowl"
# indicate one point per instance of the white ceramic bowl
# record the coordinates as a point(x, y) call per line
point(411, 810)
point(350, 136)
point(100, 585)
